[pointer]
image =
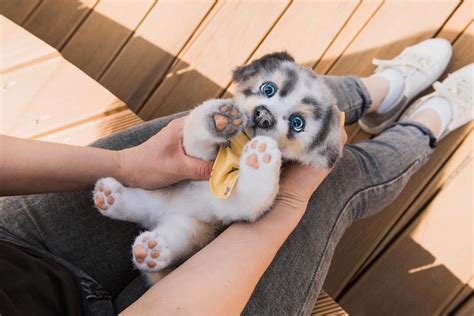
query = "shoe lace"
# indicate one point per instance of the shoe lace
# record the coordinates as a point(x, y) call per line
point(407, 62)
point(458, 89)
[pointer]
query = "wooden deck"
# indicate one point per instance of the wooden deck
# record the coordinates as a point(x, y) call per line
point(159, 57)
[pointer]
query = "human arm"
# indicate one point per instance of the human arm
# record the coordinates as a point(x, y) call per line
point(222, 276)
point(29, 166)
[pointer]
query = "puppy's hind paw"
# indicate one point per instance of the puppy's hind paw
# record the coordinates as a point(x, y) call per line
point(107, 195)
point(150, 252)
point(261, 153)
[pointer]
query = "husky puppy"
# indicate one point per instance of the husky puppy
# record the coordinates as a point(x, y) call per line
point(286, 110)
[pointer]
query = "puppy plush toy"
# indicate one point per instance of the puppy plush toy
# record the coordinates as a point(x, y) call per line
point(281, 111)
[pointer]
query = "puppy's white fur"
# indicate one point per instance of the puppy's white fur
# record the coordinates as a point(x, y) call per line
point(184, 217)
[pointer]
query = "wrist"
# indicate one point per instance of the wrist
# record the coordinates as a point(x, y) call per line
point(122, 167)
point(288, 210)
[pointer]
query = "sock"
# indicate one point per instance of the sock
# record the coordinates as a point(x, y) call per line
point(397, 84)
point(442, 107)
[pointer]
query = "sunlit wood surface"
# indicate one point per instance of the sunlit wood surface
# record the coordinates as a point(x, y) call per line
point(73, 71)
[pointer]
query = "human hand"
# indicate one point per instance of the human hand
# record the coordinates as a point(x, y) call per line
point(298, 182)
point(161, 160)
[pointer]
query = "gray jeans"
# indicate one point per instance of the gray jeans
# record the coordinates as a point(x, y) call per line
point(65, 226)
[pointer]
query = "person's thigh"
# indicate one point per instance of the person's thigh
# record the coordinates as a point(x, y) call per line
point(366, 179)
point(68, 226)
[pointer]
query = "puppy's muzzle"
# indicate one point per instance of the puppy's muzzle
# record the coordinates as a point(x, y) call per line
point(263, 118)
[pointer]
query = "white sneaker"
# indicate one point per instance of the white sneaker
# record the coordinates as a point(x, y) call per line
point(457, 89)
point(420, 65)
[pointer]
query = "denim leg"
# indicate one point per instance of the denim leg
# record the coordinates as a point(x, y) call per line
point(351, 95)
point(67, 226)
point(366, 179)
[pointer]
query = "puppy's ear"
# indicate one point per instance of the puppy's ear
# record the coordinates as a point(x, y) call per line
point(245, 72)
point(268, 62)
point(281, 56)
point(333, 152)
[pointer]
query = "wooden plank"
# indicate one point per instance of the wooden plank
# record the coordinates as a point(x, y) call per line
point(20, 48)
point(467, 308)
point(307, 29)
point(294, 31)
point(354, 25)
point(85, 133)
point(423, 269)
point(55, 21)
point(227, 38)
point(461, 298)
point(458, 21)
point(463, 53)
point(350, 256)
point(325, 305)
point(396, 25)
point(48, 95)
point(143, 62)
point(104, 32)
point(18, 10)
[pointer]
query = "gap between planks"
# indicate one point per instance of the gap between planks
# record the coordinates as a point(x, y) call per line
point(118, 106)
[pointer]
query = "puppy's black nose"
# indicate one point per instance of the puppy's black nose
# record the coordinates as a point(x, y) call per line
point(263, 118)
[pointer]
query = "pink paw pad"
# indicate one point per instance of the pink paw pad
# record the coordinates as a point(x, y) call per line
point(150, 252)
point(221, 121)
point(103, 197)
point(228, 120)
point(141, 252)
point(252, 161)
point(104, 193)
point(257, 153)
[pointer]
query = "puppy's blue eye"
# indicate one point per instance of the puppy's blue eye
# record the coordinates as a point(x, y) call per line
point(268, 89)
point(297, 123)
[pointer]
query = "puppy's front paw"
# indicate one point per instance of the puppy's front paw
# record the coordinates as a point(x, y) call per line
point(227, 120)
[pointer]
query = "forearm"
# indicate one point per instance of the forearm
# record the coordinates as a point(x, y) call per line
point(222, 276)
point(28, 166)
